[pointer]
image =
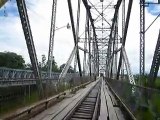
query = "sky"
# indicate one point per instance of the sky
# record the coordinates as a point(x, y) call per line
point(39, 11)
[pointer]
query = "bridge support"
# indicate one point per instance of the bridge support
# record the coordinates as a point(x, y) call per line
point(30, 43)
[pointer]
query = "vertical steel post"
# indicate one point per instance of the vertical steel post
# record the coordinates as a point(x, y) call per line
point(89, 45)
point(85, 45)
point(155, 64)
point(51, 41)
point(123, 27)
point(142, 40)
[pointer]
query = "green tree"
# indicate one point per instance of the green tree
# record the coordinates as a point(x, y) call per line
point(70, 70)
point(44, 66)
point(11, 60)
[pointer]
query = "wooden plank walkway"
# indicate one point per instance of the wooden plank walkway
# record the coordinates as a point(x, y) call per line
point(61, 109)
point(103, 108)
point(109, 109)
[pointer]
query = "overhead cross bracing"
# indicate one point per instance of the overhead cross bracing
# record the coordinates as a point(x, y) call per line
point(102, 12)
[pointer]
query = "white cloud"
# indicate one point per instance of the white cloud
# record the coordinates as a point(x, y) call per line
point(40, 17)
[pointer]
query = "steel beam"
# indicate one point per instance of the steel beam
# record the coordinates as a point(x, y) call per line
point(129, 72)
point(125, 35)
point(85, 45)
point(155, 64)
point(142, 39)
point(91, 20)
point(89, 45)
point(30, 43)
point(51, 41)
point(74, 35)
point(111, 33)
point(65, 69)
point(93, 28)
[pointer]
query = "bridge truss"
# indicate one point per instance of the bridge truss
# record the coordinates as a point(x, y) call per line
point(103, 43)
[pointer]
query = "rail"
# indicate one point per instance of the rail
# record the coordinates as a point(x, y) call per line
point(87, 107)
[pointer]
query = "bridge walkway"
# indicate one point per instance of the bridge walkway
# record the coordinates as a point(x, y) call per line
point(108, 110)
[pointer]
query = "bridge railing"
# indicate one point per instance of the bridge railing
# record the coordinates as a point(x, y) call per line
point(144, 103)
point(13, 74)
point(20, 86)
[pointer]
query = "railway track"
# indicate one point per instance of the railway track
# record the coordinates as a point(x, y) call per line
point(88, 107)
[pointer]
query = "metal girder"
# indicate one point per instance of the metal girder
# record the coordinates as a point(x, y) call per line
point(30, 43)
point(77, 32)
point(85, 50)
point(129, 72)
point(155, 64)
point(94, 34)
point(142, 38)
point(85, 46)
point(109, 60)
point(101, 14)
point(125, 35)
point(112, 29)
point(103, 11)
point(89, 45)
point(74, 35)
point(114, 41)
point(65, 69)
point(51, 41)
point(123, 18)
point(91, 20)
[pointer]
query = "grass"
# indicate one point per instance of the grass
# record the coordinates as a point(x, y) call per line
point(144, 115)
point(12, 105)
point(144, 103)
point(157, 83)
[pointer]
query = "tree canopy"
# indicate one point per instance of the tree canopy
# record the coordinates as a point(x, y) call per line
point(11, 60)
point(70, 70)
point(44, 65)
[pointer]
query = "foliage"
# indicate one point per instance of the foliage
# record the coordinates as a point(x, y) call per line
point(70, 70)
point(141, 80)
point(11, 60)
point(43, 65)
point(157, 83)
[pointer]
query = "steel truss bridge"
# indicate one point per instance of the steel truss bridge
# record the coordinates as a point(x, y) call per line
point(104, 54)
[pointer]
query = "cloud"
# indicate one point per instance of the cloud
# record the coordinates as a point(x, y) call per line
point(153, 9)
point(9, 9)
point(39, 12)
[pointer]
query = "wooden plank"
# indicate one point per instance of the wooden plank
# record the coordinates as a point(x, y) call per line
point(119, 113)
point(112, 97)
point(103, 108)
point(58, 111)
point(111, 111)
point(66, 110)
